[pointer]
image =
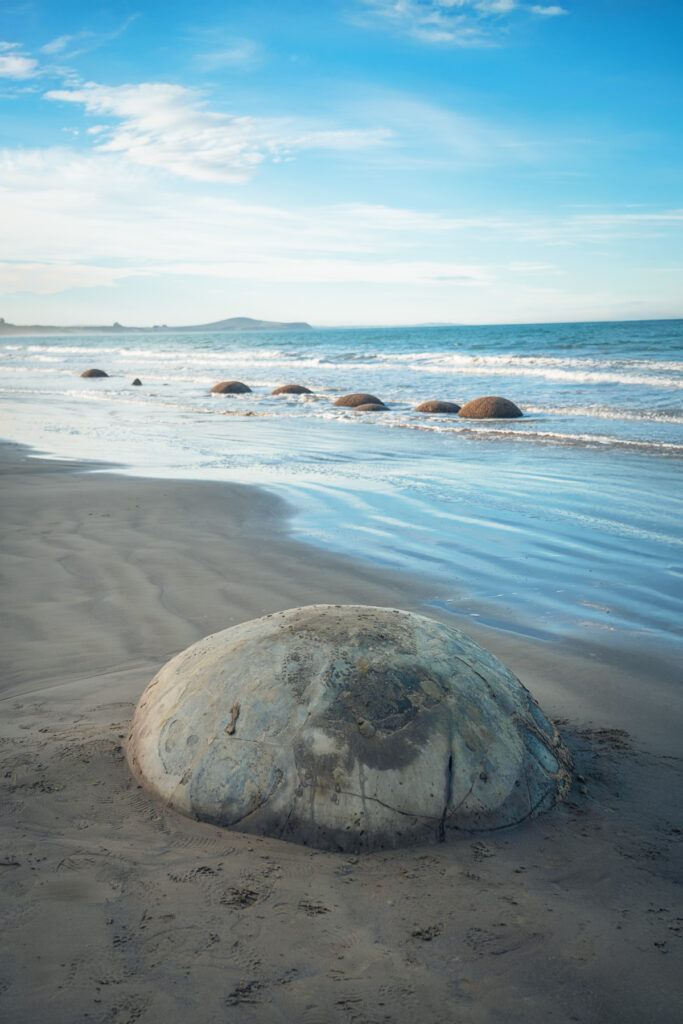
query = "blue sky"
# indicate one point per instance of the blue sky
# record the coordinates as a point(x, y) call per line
point(350, 162)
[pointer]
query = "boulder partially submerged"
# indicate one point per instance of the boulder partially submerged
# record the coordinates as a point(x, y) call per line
point(230, 387)
point(492, 407)
point(359, 398)
point(443, 407)
point(94, 373)
point(292, 389)
point(371, 407)
point(346, 727)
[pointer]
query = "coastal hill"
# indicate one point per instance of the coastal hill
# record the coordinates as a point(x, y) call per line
point(235, 323)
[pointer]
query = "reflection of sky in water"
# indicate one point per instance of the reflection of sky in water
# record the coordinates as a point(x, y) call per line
point(553, 538)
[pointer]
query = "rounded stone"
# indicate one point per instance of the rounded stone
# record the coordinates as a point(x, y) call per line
point(370, 407)
point(490, 408)
point(94, 373)
point(359, 398)
point(230, 387)
point(446, 407)
point(346, 727)
point(292, 389)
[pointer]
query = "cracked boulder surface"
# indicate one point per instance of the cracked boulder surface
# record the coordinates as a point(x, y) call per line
point(346, 727)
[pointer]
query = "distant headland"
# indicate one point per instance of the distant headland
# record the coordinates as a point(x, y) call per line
point(235, 323)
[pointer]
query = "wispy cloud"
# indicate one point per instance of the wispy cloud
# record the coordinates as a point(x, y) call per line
point(326, 270)
point(51, 278)
point(69, 46)
point(15, 64)
point(60, 44)
point(88, 221)
point(235, 53)
point(83, 221)
point(101, 209)
point(171, 127)
point(427, 134)
point(448, 22)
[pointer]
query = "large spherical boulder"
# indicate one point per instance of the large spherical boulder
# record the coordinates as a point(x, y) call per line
point(490, 408)
point(359, 398)
point(230, 387)
point(94, 373)
point(346, 727)
point(444, 407)
point(292, 389)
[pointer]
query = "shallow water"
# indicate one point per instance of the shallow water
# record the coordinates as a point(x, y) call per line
point(566, 521)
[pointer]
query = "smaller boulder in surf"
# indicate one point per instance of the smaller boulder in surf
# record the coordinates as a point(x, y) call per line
point(292, 389)
point(359, 398)
point(230, 387)
point(490, 408)
point(444, 407)
point(137, 383)
point(370, 407)
point(94, 373)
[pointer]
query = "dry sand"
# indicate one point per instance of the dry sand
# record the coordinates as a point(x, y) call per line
point(117, 910)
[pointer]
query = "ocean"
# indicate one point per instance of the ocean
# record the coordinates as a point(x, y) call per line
point(563, 523)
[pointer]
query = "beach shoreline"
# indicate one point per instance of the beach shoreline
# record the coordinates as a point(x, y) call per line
point(120, 910)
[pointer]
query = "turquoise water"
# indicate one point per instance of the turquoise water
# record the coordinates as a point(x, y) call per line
point(566, 521)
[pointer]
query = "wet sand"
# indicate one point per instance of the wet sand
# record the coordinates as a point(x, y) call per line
point(116, 910)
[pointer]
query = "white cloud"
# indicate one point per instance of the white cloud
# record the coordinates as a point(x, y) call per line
point(433, 21)
point(171, 127)
point(454, 22)
point(14, 64)
point(548, 12)
point(495, 6)
point(74, 220)
point(81, 221)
